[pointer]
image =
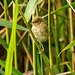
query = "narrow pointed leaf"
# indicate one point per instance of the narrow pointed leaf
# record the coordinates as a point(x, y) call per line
point(63, 8)
point(69, 68)
point(14, 71)
point(29, 9)
point(9, 25)
point(68, 46)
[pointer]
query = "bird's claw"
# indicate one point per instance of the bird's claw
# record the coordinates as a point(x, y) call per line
point(34, 40)
point(41, 51)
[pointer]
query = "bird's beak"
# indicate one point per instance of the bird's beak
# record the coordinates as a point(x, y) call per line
point(31, 23)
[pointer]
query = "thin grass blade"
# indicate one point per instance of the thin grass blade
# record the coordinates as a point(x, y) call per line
point(63, 8)
point(67, 47)
point(69, 68)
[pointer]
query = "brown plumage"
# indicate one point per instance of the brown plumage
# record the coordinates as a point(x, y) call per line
point(39, 29)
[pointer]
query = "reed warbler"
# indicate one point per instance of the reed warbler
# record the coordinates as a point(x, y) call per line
point(39, 29)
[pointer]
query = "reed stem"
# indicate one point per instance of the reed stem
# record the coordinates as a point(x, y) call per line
point(71, 30)
point(49, 27)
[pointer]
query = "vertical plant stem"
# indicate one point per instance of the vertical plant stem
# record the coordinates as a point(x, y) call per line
point(56, 38)
point(71, 29)
point(37, 11)
point(15, 55)
point(58, 60)
point(7, 35)
point(15, 50)
point(6, 9)
point(34, 54)
point(8, 68)
point(61, 33)
point(49, 27)
point(35, 58)
point(27, 60)
point(42, 62)
point(38, 64)
point(42, 68)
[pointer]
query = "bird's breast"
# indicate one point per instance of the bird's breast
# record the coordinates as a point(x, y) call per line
point(40, 33)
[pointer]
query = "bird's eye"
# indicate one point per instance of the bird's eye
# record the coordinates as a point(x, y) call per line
point(37, 21)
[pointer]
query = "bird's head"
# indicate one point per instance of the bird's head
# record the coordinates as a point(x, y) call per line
point(37, 21)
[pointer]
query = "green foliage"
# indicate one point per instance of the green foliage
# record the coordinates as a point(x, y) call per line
point(14, 71)
point(55, 69)
point(9, 25)
point(63, 8)
point(69, 55)
point(29, 9)
point(68, 46)
point(69, 68)
point(8, 68)
point(26, 18)
point(3, 42)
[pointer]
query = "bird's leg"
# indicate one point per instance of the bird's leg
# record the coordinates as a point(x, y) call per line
point(42, 49)
point(35, 40)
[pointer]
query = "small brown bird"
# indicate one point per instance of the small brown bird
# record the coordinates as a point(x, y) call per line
point(39, 29)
